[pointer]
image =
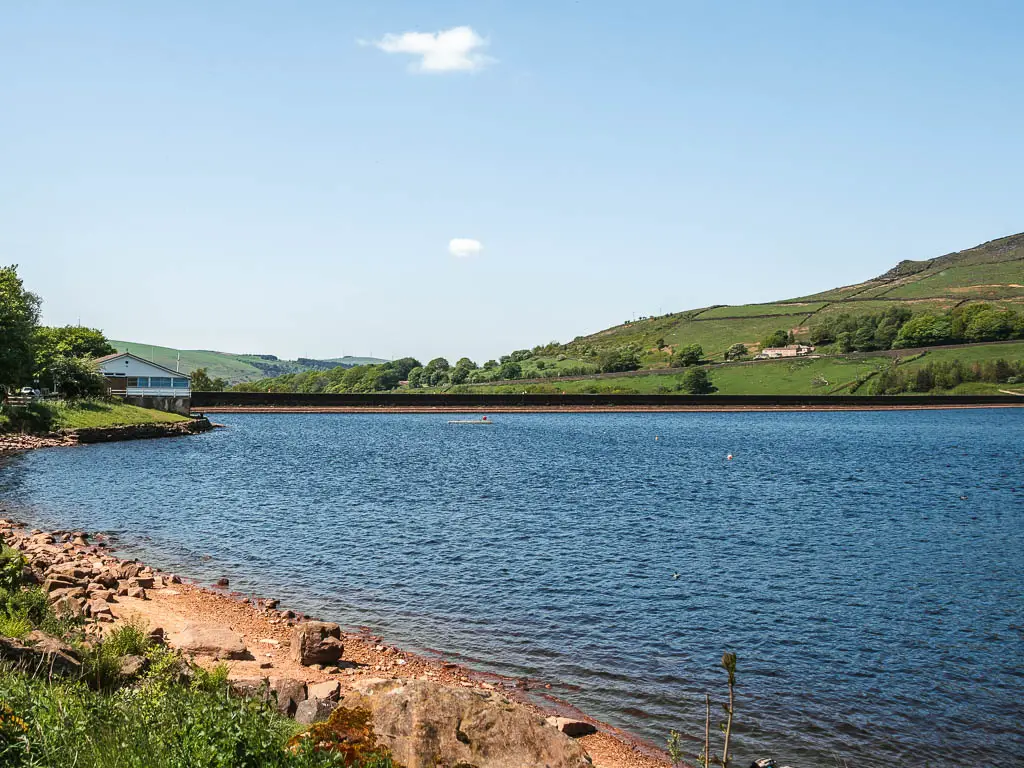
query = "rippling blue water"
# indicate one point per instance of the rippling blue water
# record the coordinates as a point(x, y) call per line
point(866, 567)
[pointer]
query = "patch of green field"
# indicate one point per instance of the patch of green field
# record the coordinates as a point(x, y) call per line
point(836, 294)
point(975, 353)
point(874, 307)
point(97, 413)
point(754, 310)
point(997, 280)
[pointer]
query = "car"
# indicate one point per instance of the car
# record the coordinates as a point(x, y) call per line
point(30, 392)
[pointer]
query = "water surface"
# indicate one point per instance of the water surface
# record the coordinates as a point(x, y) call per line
point(865, 567)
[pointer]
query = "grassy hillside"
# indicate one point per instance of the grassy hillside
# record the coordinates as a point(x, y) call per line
point(841, 374)
point(992, 272)
point(235, 368)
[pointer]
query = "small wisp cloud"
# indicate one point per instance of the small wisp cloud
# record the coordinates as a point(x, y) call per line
point(464, 247)
point(458, 49)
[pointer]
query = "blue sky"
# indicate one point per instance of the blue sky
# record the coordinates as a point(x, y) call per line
point(286, 178)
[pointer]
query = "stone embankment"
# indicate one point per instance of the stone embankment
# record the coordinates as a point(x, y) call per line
point(15, 442)
point(421, 709)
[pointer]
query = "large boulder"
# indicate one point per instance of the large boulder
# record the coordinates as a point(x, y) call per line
point(202, 640)
point(289, 693)
point(317, 642)
point(315, 711)
point(424, 724)
point(39, 651)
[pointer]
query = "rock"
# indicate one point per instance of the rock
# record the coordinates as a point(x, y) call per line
point(156, 636)
point(317, 642)
point(289, 693)
point(133, 666)
point(53, 583)
point(314, 711)
point(137, 592)
point(425, 724)
point(329, 690)
point(40, 651)
point(249, 687)
point(573, 728)
point(222, 582)
point(99, 609)
point(210, 641)
point(67, 606)
point(145, 582)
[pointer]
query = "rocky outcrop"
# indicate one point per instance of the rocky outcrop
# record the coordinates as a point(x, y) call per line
point(424, 724)
point(573, 728)
point(217, 642)
point(317, 642)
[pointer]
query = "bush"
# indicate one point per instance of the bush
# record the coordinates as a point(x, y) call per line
point(616, 360)
point(689, 355)
point(697, 381)
point(146, 726)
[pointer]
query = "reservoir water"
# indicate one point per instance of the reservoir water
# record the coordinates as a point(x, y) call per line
point(866, 568)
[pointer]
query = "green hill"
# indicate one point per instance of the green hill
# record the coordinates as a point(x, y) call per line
point(233, 367)
point(991, 273)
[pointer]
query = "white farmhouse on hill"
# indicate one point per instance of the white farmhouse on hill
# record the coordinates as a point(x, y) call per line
point(131, 376)
point(790, 350)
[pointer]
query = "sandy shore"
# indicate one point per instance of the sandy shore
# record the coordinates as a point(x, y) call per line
point(266, 628)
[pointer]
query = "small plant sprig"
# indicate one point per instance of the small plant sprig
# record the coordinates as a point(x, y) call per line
point(707, 758)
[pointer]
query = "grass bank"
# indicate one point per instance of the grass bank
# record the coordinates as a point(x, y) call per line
point(49, 416)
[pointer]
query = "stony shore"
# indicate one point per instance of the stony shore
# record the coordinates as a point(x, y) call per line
point(312, 664)
point(15, 442)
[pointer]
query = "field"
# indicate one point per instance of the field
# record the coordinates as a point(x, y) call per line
point(94, 413)
point(756, 310)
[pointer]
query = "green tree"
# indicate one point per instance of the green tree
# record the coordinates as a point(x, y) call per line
point(620, 359)
point(924, 330)
point(689, 355)
point(697, 381)
point(415, 377)
point(737, 352)
point(19, 317)
point(201, 382)
point(76, 377)
point(510, 369)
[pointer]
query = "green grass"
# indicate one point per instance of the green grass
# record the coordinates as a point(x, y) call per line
point(754, 310)
point(98, 413)
point(997, 280)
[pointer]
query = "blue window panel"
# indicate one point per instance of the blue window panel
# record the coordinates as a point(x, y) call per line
point(181, 383)
point(159, 381)
point(143, 381)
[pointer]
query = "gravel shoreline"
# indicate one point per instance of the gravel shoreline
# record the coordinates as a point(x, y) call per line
point(173, 602)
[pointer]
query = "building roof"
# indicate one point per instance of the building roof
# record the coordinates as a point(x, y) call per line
point(116, 355)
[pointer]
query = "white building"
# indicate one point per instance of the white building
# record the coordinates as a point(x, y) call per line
point(790, 350)
point(131, 376)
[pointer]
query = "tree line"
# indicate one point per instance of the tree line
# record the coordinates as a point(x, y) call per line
point(898, 328)
point(943, 375)
point(57, 359)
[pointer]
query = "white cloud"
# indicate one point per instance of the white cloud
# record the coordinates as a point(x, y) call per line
point(451, 50)
point(464, 247)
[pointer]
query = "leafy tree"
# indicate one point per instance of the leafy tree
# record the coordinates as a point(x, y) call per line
point(76, 377)
point(924, 330)
point(403, 366)
point(620, 359)
point(490, 364)
point(201, 382)
point(659, 342)
point(737, 352)
point(19, 316)
point(415, 377)
point(691, 354)
point(697, 381)
point(510, 369)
